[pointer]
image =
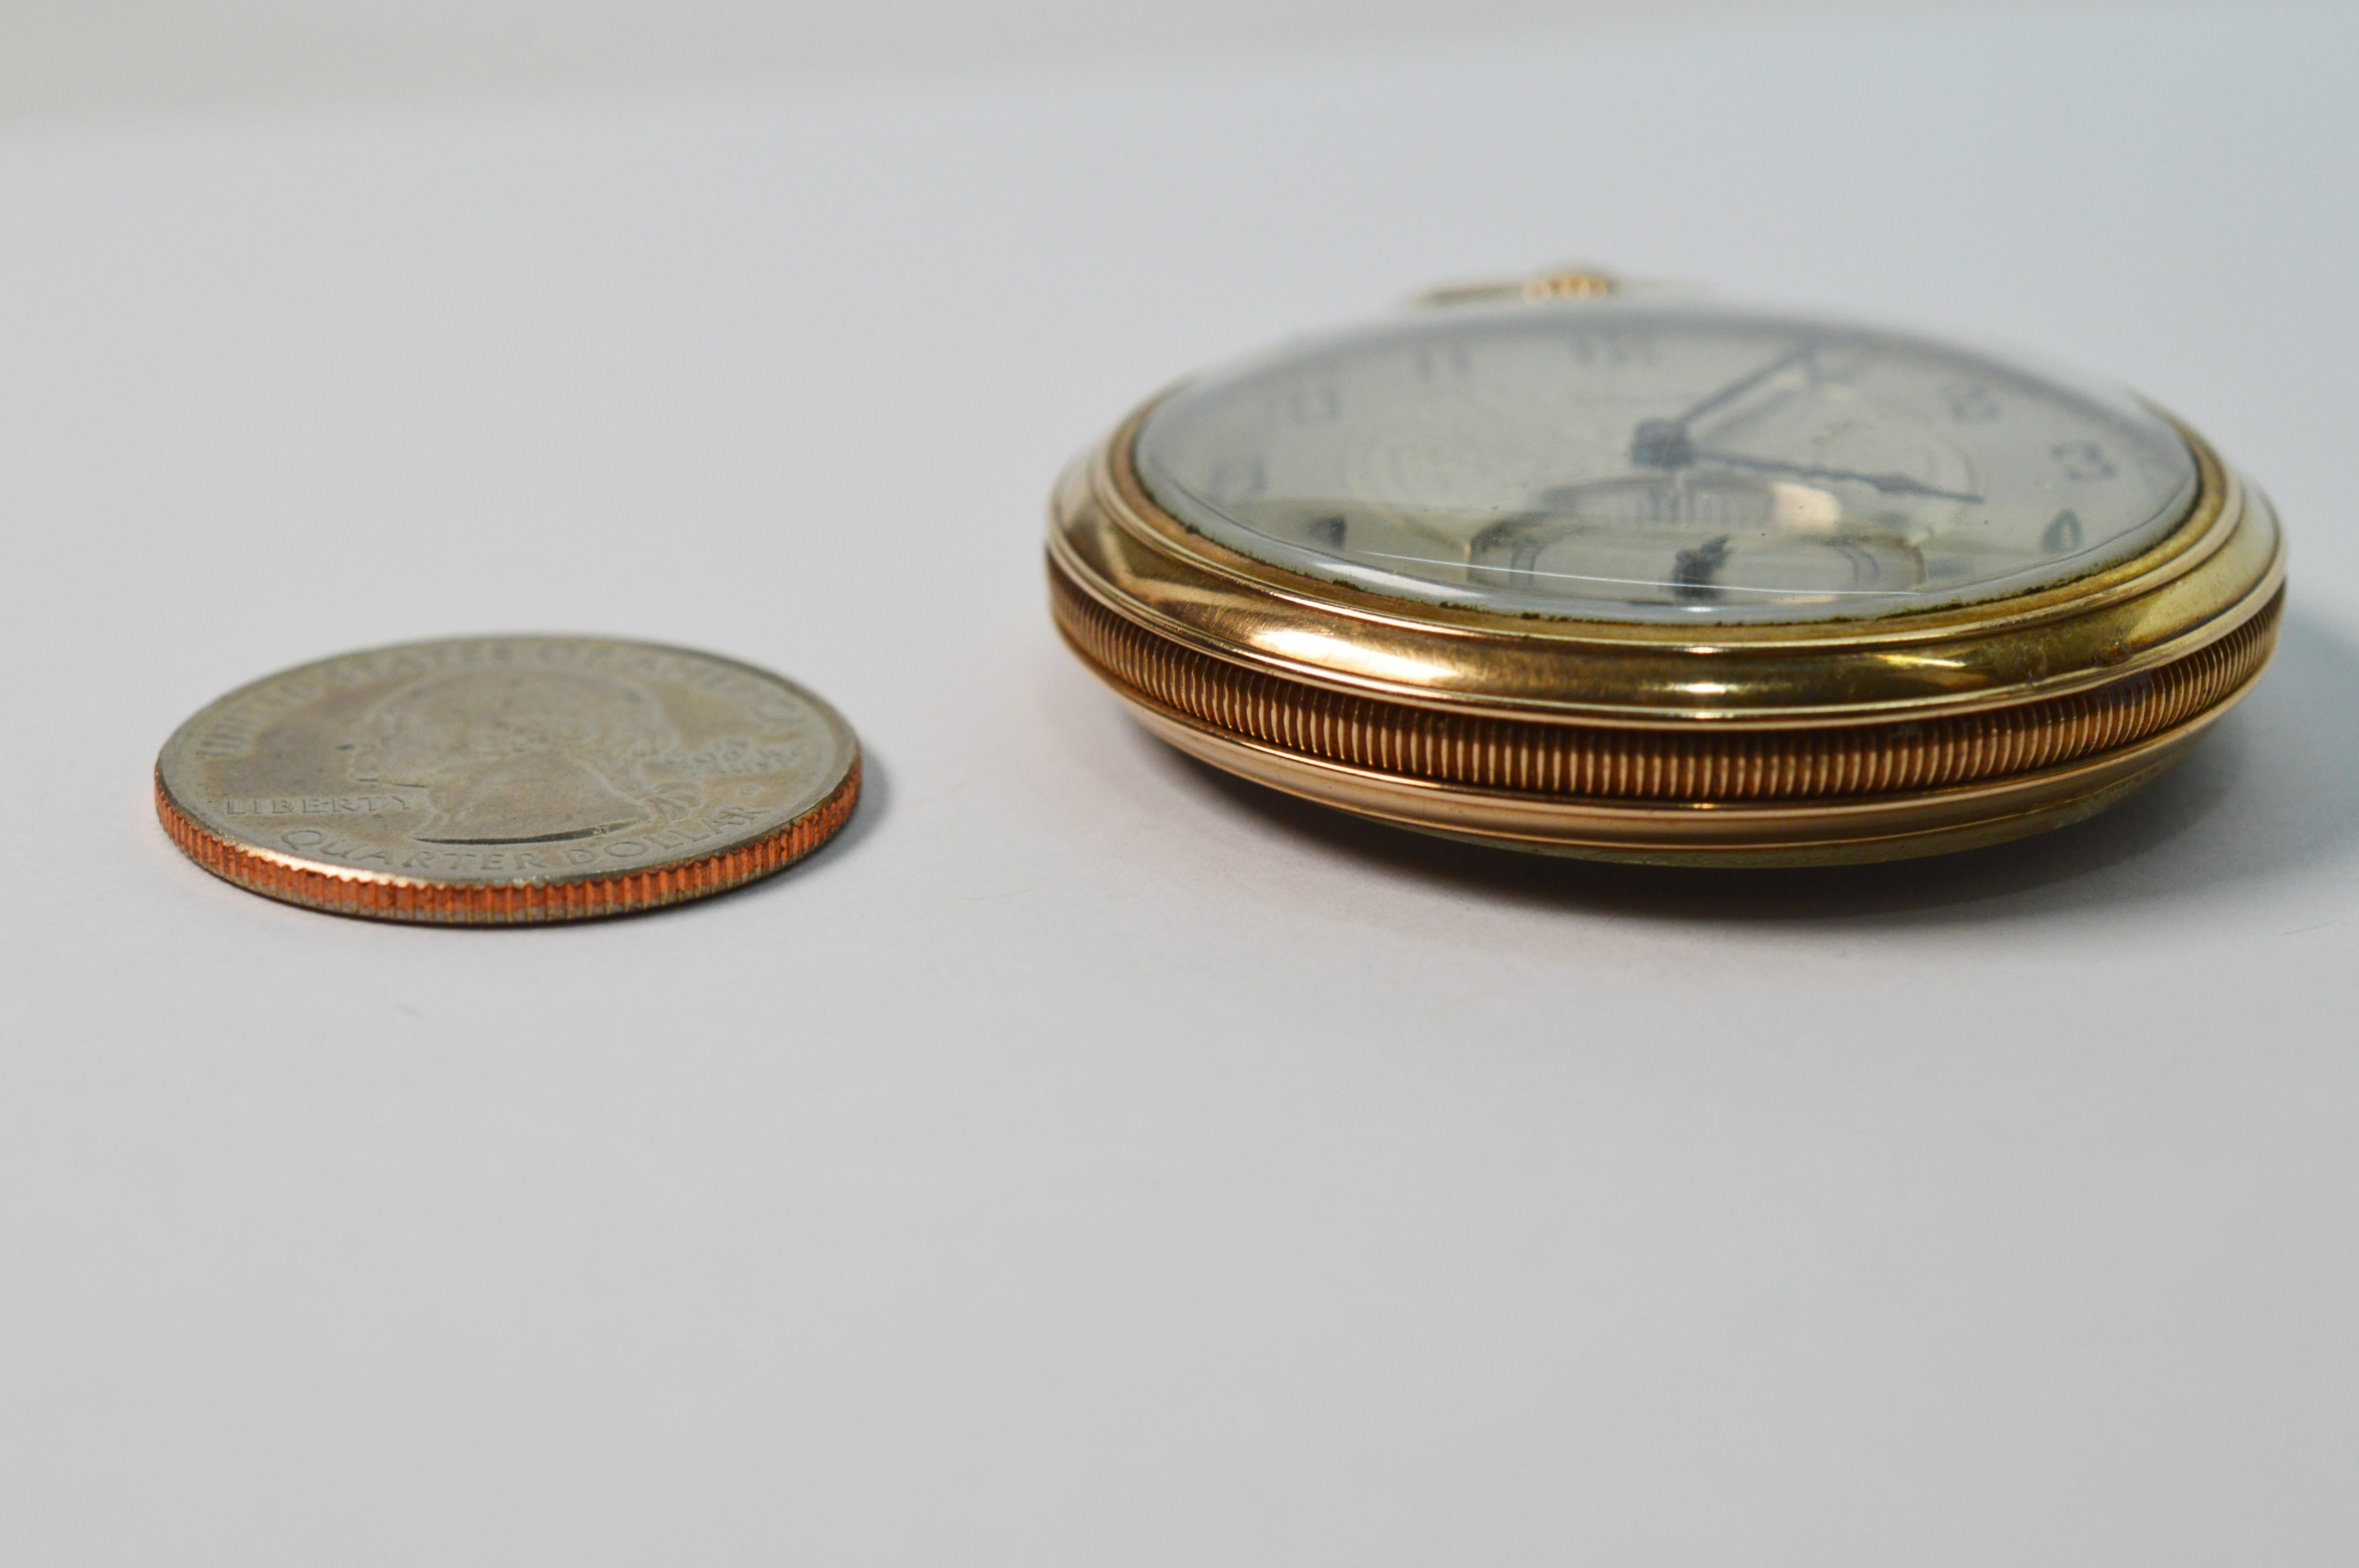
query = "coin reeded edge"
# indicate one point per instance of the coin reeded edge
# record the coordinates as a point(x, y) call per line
point(342, 890)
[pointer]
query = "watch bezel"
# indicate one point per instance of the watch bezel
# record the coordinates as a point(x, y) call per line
point(2219, 566)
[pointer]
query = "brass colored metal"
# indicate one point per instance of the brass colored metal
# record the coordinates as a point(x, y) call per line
point(1720, 763)
point(1724, 744)
point(1564, 283)
point(1703, 833)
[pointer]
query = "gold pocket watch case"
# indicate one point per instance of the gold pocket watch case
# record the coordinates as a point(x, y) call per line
point(1667, 580)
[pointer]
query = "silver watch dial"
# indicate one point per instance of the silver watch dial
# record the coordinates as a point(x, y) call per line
point(1605, 460)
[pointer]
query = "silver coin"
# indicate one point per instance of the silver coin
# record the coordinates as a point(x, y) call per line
point(497, 780)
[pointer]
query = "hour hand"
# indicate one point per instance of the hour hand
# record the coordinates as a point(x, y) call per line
point(1888, 483)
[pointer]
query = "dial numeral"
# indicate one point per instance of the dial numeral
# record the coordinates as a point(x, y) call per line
point(1314, 405)
point(1970, 404)
point(2063, 535)
point(1236, 481)
point(2085, 461)
point(1437, 362)
point(1613, 348)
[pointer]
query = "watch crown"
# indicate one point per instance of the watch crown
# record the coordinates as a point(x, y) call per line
point(1573, 282)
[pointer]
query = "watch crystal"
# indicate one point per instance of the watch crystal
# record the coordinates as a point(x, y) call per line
point(1625, 461)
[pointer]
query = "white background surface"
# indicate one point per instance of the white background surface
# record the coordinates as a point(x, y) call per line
point(81, 59)
point(1087, 1159)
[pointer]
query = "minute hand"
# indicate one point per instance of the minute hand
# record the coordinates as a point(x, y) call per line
point(1664, 443)
point(1745, 383)
point(1890, 483)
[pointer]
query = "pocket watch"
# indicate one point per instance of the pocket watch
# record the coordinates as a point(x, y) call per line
point(1568, 568)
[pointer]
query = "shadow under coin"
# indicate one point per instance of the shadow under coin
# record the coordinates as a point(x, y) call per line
point(2269, 793)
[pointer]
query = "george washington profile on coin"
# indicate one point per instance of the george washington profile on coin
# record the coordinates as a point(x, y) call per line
point(525, 756)
point(507, 779)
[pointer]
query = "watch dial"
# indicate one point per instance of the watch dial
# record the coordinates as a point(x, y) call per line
point(1635, 462)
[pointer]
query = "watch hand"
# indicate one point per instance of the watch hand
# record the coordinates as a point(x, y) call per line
point(1692, 570)
point(1664, 444)
point(1890, 484)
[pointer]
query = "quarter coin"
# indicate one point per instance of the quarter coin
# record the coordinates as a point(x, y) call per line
point(494, 781)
